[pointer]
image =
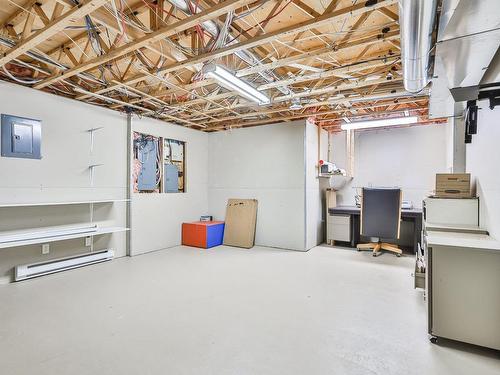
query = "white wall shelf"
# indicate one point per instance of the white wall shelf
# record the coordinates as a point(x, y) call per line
point(35, 204)
point(51, 235)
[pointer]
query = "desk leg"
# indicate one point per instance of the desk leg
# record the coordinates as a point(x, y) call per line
point(355, 226)
point(417, 235)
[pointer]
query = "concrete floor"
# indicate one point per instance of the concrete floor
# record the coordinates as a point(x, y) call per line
point(228, 311)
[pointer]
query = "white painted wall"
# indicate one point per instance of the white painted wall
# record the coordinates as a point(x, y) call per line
point(483, 160)
point(449, 146)
point(265, 163)
point(405, 157)
point(62, 174)
point(157, 218)
point(315, 187)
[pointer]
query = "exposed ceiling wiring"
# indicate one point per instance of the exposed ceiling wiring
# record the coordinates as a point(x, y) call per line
point(19, 80)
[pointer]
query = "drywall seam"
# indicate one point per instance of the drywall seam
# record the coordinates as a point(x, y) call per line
point(305, 185)
point(129, 184)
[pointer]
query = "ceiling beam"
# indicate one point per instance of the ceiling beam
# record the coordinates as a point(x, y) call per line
point(20, 12)
point(341, 110)
point(155, 36)
point(52, 28)
point(389, 14)
point(335, 72)
point(376, 61)
point(328, 89)
point(309, 114)
point(332, 6)
point(351, 11)
point(320, 91)
point(318, 53)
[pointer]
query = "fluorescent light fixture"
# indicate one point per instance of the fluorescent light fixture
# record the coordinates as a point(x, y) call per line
point(346, 120)
point(233, 83)
point(379, 123)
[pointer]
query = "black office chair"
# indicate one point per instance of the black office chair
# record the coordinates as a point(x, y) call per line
point(380, 218)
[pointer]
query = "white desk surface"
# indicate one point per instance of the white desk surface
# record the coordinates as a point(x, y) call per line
point(464, 240)
point(454, 228)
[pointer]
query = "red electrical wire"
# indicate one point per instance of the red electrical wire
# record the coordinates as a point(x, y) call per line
point(198, 28)
point(169, 13)
point(151, 5)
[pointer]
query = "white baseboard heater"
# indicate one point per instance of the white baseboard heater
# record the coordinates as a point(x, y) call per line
point(28, 271)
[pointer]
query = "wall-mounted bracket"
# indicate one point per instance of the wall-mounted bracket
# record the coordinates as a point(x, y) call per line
point(91, 168)
point(91, 132)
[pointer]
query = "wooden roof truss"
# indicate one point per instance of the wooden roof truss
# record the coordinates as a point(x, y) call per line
point(331, 59)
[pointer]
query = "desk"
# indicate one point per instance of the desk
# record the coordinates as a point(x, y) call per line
point(414, 215)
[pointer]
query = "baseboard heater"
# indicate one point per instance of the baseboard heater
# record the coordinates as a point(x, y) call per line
point(28, 271)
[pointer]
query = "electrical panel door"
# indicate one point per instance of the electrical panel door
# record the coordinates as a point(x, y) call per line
point(21, 137)
point(147, 156)
point(171, 178)
point(174, 166)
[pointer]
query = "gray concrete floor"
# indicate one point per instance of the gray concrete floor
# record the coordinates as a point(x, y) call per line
point(228, 311)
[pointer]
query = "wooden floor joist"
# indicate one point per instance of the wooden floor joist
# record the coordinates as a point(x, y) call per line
point(221, 8)
point(33, 40)
point(335, 59)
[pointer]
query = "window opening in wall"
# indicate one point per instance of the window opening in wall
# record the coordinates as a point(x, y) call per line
point(174, 166)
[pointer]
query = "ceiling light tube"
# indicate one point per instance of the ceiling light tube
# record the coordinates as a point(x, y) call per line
point(233, 83)
point(379, 123)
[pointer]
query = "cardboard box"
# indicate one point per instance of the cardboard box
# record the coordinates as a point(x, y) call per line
point(204, 234)
point(453, 185)
point(241, 219)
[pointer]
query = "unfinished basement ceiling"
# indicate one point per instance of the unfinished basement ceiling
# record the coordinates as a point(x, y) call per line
point(323, 60)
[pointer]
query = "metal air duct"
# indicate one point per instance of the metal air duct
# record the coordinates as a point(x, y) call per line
point(416, 19)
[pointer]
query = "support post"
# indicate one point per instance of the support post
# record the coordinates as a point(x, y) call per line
point(129, 183)
point(350, 152)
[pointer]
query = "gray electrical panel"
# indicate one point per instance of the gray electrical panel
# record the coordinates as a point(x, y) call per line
point(171, 173)
point(21, 137)
point(147, 154)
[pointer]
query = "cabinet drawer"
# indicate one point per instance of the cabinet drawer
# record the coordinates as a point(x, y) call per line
point(339, 232)
point(340, 219)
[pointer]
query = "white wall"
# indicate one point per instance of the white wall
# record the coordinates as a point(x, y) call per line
point(405, 157)
point(265, 163)
point(315, 187)
point(483, 162)
point(157, 218)
point(62, 174)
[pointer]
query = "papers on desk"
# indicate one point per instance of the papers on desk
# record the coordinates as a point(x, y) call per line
point(407, 205)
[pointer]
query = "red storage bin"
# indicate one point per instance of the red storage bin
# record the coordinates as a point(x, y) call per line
point(204, 234)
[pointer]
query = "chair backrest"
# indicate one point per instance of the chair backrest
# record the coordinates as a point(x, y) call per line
point(381, 213)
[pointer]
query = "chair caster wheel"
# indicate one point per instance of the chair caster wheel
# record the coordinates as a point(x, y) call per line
point(358, 249)
point(433, 339)
point(375, 254)
point(398, 255)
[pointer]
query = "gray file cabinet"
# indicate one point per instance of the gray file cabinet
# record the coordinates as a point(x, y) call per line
point(338, 228)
